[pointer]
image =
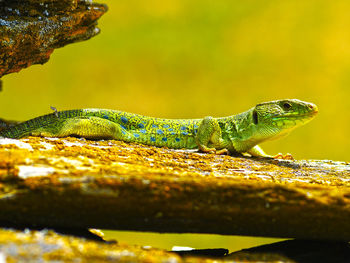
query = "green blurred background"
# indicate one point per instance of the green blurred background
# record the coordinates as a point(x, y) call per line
point(189, 59)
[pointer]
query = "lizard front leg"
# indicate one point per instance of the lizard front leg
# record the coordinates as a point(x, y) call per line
point(209, 132)
point(257, 152)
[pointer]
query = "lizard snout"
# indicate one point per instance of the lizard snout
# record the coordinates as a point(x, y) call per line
point(313, 108)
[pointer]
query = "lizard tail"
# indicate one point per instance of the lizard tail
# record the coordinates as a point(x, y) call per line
point(48, 123)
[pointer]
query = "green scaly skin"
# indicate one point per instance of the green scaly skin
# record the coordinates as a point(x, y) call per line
point(239, 133)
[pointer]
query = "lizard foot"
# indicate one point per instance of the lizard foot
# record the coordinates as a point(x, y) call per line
point(207, 150)
point(287, 156)
point(214, 151)
point(222, 151)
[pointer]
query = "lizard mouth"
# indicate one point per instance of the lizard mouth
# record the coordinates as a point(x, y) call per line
point(291, 121)
point(296, 117)
point(307, 115)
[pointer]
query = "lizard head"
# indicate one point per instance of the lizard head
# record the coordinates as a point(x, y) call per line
point(277, 118)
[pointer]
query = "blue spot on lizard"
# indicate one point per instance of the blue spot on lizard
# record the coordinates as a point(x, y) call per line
point(124, 119)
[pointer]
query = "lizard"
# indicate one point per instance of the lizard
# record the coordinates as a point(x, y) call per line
point(236, 134)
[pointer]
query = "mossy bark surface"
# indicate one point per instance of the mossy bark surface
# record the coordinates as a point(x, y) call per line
point(113, 185)
point(30, 30)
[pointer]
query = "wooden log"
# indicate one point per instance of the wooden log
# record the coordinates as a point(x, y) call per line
point(73, 182)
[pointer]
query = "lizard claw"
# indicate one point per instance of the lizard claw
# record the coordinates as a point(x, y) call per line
point(287, 156)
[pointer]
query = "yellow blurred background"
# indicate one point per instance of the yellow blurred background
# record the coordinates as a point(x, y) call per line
point(191, 58)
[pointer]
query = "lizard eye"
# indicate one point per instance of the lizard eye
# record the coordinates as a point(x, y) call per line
point(287, 105)
point(255, 117)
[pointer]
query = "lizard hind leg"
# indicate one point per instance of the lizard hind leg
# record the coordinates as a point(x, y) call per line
point(87, 127)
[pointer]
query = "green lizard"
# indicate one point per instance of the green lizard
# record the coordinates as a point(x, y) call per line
point(239, 133)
